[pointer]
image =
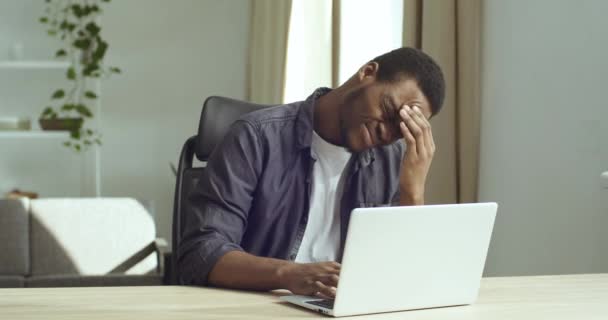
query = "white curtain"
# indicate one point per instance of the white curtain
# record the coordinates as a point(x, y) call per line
point(267, 50)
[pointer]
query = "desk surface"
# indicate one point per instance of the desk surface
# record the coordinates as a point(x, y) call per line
point(579, 297)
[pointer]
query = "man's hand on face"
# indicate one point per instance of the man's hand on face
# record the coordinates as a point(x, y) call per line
point(311, 278)
point(416, 131)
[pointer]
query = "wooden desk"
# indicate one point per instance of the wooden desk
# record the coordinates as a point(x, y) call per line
point(578, 297)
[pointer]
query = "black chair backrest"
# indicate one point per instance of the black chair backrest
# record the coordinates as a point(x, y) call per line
point(216, 117)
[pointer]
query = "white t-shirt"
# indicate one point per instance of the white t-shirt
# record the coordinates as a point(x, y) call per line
point(321, 240)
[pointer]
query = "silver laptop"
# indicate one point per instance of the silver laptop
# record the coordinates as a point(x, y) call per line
point(405, 258)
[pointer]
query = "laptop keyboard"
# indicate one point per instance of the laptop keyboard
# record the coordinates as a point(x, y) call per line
point(327, 303)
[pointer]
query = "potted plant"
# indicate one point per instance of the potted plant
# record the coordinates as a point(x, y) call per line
point(74, 23)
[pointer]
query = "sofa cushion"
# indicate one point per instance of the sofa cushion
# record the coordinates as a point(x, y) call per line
point(110, 280)
point(14, 237)
point(88, 236)
point(11, 281)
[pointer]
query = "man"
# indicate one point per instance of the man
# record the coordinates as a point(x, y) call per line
point(272, 209)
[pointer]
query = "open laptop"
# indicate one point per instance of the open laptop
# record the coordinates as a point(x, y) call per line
point(405, 258)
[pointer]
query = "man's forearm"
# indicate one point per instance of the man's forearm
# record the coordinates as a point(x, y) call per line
point(241, 270)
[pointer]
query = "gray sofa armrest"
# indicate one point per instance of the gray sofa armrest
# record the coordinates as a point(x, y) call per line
point(158, 246)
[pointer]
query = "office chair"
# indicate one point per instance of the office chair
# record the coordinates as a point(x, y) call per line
point(217, 115)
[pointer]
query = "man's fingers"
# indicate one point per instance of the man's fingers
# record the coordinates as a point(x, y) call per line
point(327, 291)
point(329, 279)
point(426, 128)
point(410, 119)
point(330, 270)
point(409, 138)
point(335, 265)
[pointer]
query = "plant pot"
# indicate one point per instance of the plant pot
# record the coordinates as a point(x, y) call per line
point(61, 124)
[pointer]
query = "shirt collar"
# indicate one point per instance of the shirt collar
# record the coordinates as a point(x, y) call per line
point(304, 121)
point(305, 126)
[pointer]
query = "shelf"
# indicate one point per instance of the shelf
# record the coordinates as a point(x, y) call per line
point(35, 134)
point(41, 65)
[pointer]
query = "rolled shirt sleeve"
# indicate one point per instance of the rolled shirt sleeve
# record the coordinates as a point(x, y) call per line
point(217, 209)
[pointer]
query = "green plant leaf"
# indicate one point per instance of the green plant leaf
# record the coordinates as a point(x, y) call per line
point(63, 25)
point(115, 70)
point(68, 107)
point(71, 74)
point(75, 134)
point(98, 141)
point(51, 32)
point(67, 26)
point(48, 113)
point(100, 51)
point(90, 95)
point(90, 132)
point(83, 110)
point(43, 19)
point(82, 44)
point(77, 147)
point(87, 142)
point(89, 69)
point(60, 53)
point(92, 28)
point(58, 94)
point(77, 10)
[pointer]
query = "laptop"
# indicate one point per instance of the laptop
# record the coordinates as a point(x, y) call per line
point(407, 258)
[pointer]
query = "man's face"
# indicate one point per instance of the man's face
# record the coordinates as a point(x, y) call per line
point(370, 115)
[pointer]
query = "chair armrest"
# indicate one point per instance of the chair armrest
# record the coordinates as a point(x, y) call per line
point(159, 245)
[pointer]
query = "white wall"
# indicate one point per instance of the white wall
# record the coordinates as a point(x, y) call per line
point(174, 54)
point(545, 135)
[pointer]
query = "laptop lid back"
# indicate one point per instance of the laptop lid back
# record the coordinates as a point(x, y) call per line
point(403, 258)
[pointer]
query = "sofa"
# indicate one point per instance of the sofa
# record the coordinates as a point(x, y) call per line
point(61, 242)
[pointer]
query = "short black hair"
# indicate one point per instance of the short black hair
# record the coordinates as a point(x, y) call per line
point(410, 63)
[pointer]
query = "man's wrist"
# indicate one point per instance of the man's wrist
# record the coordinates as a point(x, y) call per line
point(281, 272)
point(408, 198)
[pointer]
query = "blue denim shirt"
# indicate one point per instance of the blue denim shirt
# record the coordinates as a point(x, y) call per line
point(254, 195)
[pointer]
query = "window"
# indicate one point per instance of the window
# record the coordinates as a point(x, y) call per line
point(367, 29)
point(308, 64)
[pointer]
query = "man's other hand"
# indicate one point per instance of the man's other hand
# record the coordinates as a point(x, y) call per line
point(418, 136)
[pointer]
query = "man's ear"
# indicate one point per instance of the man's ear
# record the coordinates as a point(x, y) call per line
point(368, 71)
